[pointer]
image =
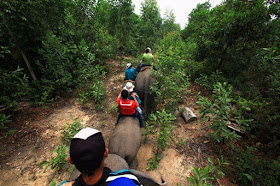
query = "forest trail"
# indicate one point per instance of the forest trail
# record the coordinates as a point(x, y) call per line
point(39, 129)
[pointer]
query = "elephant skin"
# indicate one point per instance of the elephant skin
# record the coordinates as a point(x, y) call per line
point(126, 138)
point(115, 162)
point(147, 180)
point(143, 82)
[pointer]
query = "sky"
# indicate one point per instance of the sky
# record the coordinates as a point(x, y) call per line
point(181, 8)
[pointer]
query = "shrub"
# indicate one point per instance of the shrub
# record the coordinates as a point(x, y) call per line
point(163, 121)
point(14, 86)
point(70, 130)
point(58, 161)
point(222, 111)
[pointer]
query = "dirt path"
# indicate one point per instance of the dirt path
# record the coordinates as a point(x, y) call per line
point(38, 134)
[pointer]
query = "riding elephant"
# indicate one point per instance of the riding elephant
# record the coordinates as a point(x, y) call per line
point(126, 138)
point(143, 82)
point(116, 163)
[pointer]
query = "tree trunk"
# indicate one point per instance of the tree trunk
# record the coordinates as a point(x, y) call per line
point(21, 51)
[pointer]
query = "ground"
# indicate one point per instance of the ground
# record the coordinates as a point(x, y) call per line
point(38, 131)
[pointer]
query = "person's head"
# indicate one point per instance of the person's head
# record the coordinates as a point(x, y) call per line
point(128, 65)
point(148, 50)
point(88, 151)
point(129, 87)
point(124, 94)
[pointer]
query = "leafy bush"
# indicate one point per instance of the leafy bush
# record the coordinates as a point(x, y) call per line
point(70, 130)
point(58, 161)
point(249, 169)
point(210, 172)
point(209, 82)
point(14, 86)
point(163, 121)
point(200, 177)
point(172, 81)
point(153, 162)
point(4, 119)
point(222, 111)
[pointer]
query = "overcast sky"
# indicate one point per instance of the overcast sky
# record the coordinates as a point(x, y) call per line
point(181, 8)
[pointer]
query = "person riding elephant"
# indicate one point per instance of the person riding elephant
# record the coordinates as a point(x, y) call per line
point(128, 107)
point(147, 59)
point(130, 89)
point(130, 72)
point(88, 154)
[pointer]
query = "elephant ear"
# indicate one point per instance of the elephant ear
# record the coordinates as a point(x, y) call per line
point(146, 179)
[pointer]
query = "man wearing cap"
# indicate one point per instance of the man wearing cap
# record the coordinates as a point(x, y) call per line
point(88, 153)
point(128, 107)
point(130, 72)
point(147, 59)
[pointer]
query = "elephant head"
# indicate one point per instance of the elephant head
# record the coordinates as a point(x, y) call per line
point(143, 82)
point(126, 138)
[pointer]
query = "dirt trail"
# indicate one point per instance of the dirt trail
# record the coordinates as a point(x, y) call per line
point(38, 134)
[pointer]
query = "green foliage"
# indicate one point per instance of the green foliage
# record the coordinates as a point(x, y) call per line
point(58, 161)
point(171, 78)
point(70, 130)
point(219, 169)
point(150, 23)
point(163, 121)
point(210, 172)
point(4, 119)
point(222, 111)
point(209, 82)
point(113, 108)
point(251, 169)
point(14, 86)
point(148, 130)
point(53, 183)
point(200, 177)
point(153, 162)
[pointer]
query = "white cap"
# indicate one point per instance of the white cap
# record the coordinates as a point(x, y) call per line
point(128, 65)
point(129, 87)
point(85, 133)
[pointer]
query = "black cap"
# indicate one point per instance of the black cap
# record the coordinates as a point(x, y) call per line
point(87, 149)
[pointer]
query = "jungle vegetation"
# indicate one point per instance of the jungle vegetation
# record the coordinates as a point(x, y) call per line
point(232, 52)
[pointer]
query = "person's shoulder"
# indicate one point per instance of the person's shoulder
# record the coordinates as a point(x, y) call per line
point(122, 177)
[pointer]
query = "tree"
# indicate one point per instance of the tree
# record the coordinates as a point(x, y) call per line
point(169, 24)
point(150, 23)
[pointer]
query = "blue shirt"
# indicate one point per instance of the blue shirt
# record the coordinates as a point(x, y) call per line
point(130, 73)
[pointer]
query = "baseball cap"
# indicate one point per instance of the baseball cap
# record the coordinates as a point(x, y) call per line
point(87, 149)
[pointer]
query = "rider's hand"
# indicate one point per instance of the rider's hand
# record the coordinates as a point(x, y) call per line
point(133, 94)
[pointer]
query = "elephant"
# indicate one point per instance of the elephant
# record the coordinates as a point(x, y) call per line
point(143, 82)
point(126, 138)
point(116, 163)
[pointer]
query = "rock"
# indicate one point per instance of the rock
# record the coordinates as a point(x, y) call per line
point(188, 115)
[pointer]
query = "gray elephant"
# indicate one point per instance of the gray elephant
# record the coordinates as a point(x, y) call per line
point(126, 138)
point(143, 82)
point(116, 163)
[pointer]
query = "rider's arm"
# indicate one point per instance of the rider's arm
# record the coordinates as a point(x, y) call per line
point(134, 97)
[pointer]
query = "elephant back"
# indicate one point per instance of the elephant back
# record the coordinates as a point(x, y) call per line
point(115, 162)
point(126, 138)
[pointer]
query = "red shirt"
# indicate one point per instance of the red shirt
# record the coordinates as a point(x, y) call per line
point(127, 106)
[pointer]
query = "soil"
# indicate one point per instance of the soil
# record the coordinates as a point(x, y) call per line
point(38, 131)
